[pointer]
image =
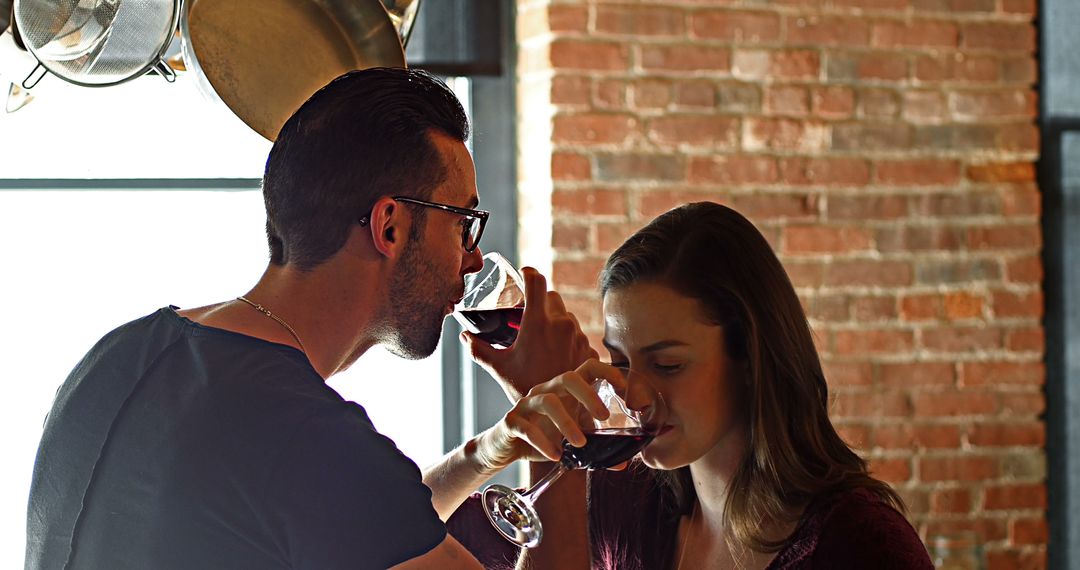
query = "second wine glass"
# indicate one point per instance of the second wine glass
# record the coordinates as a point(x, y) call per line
point(637, 414)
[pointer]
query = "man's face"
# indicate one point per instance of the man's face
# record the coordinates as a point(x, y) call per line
point(429, 277)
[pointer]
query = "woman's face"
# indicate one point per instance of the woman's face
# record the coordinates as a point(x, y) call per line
point(664, 336)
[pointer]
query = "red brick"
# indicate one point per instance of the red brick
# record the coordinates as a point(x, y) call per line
point(1017, 137)
point(563, 18)
point(589, 55)
point(965, 468)
point(891, 470)
point(794, 64)
point(1014, 496)
point(916, 436)
point(611, 235)
point(734, 170)
point(819, 239)
point(655, 202)
point(639, 20)
point(790, 100)
point(1022, 404)
point(919, 34)
point(998, 36)
point(953, 6)
point(1004, 237)
point(1002, 373)
point(920, 307)
point(918, 172)
point(962, 305)
point(854, 435)
point(1000, 435)
point(571, 90)
point(839, 374)
point(640, 166)
point(1027, 269)
point(865, 136)
point(1031, 339)
point(710, 131)
point(877, 308)
point(570, 166)
point(954, 404)
point(736, 26)
point(918, 239)
point(1008, 304)
point(881, 66)
point(956, 66)
point(695, 94)
point(869, 341)
point(869, 273)
point(806, 273)
point(879, 103)
point(685, 57)
point(962, 339)
point(950, 501)
point(593, 128)
point(587, 202)
point(1011, 559)
point(832, 101)
point(1020, 70)
point(576, 273)
point(827, 30)
point(979, 105)
point(900, 375)
point(566, 237)
point(1021, 201)
point(651, 93)
point(925, 107)
point(831, 308)
point(871, 404)
point(846, 207)
point(985, 529)
point(953, 205)
point(1025, 7)
point(824, 171)
point(776, 206)
point(611, 94)
point(1028, 531)
point(1002, 172)
point(783, 134)
point(871, 4)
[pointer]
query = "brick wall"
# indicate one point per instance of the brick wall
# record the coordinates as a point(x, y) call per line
point(886, 149)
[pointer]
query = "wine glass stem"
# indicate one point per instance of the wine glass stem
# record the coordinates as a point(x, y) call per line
point(538, 488)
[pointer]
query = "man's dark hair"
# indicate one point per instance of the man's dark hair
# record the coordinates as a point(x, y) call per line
point(365, 135)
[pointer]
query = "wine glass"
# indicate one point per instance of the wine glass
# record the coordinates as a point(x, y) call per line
point(610, 442)
point(494, 301)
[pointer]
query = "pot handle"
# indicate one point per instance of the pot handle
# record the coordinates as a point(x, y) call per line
point(35, 75)
point(165, 70)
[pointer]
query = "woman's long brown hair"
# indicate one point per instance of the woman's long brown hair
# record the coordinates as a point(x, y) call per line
point(711, 253)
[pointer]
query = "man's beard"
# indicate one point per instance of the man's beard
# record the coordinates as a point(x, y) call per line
point(416, 306)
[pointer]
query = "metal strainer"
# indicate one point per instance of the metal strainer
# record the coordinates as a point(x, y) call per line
point(97, 43)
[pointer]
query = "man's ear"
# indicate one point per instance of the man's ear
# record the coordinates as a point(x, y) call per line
point(388, 226)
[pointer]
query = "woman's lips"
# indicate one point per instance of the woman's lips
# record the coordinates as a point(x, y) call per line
point(664, 430)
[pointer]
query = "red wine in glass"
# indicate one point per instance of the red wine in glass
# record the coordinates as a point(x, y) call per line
point(607, 447)
point(494, 326)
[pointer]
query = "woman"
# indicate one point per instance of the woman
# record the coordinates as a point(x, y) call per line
point(750, 472)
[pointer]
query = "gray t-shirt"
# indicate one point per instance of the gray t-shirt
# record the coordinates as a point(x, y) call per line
point(178, 446)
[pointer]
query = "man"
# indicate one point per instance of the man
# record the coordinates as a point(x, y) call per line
point(207, 438)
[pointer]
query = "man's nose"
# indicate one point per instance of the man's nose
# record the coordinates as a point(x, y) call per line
point(474, 260)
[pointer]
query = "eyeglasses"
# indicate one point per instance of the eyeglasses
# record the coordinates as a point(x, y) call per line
point(472, 224)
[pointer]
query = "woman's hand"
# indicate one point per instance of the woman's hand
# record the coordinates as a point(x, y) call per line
point(536, 426)
point(549, 343)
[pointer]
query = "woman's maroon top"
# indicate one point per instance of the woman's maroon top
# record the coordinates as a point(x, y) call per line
point(630, 530)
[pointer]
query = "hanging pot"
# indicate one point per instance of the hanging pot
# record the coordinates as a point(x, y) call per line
point(264, 58)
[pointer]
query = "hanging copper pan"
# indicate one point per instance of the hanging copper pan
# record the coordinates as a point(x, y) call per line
point(264, 58)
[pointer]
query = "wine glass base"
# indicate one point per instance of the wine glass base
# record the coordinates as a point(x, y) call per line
point(512, 515)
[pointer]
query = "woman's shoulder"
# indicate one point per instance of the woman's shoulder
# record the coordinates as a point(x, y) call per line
point(855, 529)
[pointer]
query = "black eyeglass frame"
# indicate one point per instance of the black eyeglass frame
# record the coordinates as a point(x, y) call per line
point(481, 215)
